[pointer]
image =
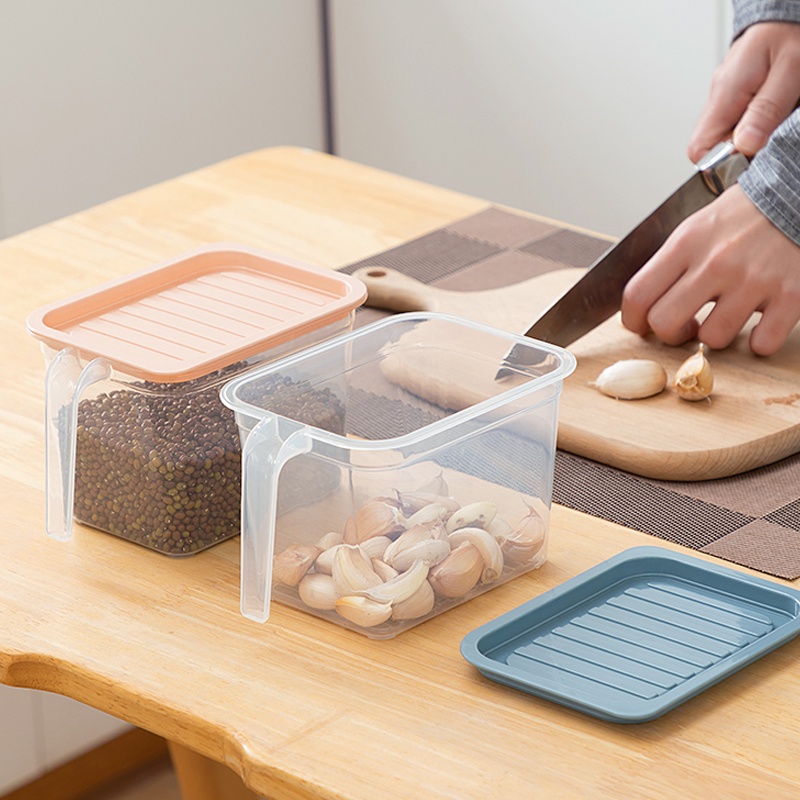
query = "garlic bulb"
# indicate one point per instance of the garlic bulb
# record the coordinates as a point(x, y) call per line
point(632, 379)
point(694, 379)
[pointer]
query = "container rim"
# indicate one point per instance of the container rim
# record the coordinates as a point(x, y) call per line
point(568, 362)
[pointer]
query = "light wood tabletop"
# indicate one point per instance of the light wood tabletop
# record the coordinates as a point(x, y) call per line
point(298, 707)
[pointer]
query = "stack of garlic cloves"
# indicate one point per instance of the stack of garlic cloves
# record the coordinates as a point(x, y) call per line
point(410, 555)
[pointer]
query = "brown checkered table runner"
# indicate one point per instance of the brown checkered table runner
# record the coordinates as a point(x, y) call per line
point(751, 519)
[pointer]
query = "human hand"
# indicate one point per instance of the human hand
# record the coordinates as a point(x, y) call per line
point(754, 89)
point(730, 254)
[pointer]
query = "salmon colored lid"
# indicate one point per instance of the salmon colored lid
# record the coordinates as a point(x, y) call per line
point(193, 315)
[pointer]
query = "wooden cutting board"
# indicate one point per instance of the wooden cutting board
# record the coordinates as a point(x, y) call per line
point(752, 418)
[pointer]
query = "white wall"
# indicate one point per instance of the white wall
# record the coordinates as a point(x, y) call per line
point(576, 109)
point(102, 97)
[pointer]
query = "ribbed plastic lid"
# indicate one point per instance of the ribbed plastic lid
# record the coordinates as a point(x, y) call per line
point(190, 316)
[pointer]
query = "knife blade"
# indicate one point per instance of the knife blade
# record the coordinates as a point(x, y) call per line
point(598, 294)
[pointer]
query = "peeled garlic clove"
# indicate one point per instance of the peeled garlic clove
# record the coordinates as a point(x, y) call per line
point(289, 566)
point(330, 539)
point(352, 570)
point(499, 528)
point(411, 502)
point(458, 573)
point(694, 379)
point(487, 545)
point(318, 590)
point(418, 605)
point(474, 515)
point(383, 570)
point(415, 544)
point(401, 587)
point(324, 562)
point(363, 611)
point(376, 546)
point(377, 518)
point(632, 379)
point(429, 515)
point(349, 535)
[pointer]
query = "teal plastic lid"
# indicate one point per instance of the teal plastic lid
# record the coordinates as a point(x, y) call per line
point(637, 635)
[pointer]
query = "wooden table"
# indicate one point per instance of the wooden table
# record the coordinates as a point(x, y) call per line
point(298, 707)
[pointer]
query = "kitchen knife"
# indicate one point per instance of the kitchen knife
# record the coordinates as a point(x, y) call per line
point(598, 294)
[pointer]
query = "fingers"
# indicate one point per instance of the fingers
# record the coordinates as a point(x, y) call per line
point(777, 322)
point(733, 86)
point(754, 89)
point(654, 299)
point(774, 101)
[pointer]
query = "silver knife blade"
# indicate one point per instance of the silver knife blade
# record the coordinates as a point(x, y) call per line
point(598, 294)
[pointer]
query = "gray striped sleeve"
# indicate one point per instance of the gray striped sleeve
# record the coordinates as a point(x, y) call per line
point(772, 181)
point(748, 12)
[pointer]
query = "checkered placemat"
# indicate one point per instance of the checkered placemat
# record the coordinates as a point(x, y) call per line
point(751, 519)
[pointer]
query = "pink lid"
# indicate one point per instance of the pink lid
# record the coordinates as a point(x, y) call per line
point(188, 317)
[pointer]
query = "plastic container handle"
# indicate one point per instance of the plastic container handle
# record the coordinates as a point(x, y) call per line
point(65, 382)
point(263, 456)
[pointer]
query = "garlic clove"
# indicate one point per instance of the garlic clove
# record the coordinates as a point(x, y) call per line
point(694, 379)
point(363, 611)
point(487, 546)
point(436, 485)
point(632, 379)
point(429, 514)
point(330, 539)
point(292, 564)
point(526, 539)
point(499, 528)
point(376, 518)
point(383, 570)
point(401, 587)
point(318, 590)
point(418, 605)
point(411, 502)
point(352, 570)
point(418, 543)
point(375, 546)
point(473, 515)
point(459, 572)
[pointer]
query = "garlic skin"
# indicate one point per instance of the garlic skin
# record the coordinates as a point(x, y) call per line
point(694, 379)
point(632, 379)
point(292, 564)
point(374, 518)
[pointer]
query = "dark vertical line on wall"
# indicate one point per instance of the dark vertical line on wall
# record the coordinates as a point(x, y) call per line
point(327, 77)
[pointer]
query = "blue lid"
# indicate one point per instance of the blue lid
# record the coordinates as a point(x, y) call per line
point(637, 635)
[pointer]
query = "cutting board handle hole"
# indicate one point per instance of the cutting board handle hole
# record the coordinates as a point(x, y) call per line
point(375, 272)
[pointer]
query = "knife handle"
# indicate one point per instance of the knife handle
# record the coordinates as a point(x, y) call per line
point(721, 167)
point(393, 291)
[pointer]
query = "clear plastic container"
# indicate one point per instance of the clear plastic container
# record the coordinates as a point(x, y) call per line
point(138, 443)
point(389, 475)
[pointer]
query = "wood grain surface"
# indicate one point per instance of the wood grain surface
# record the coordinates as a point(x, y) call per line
point(298, 707)
point(752, 419)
